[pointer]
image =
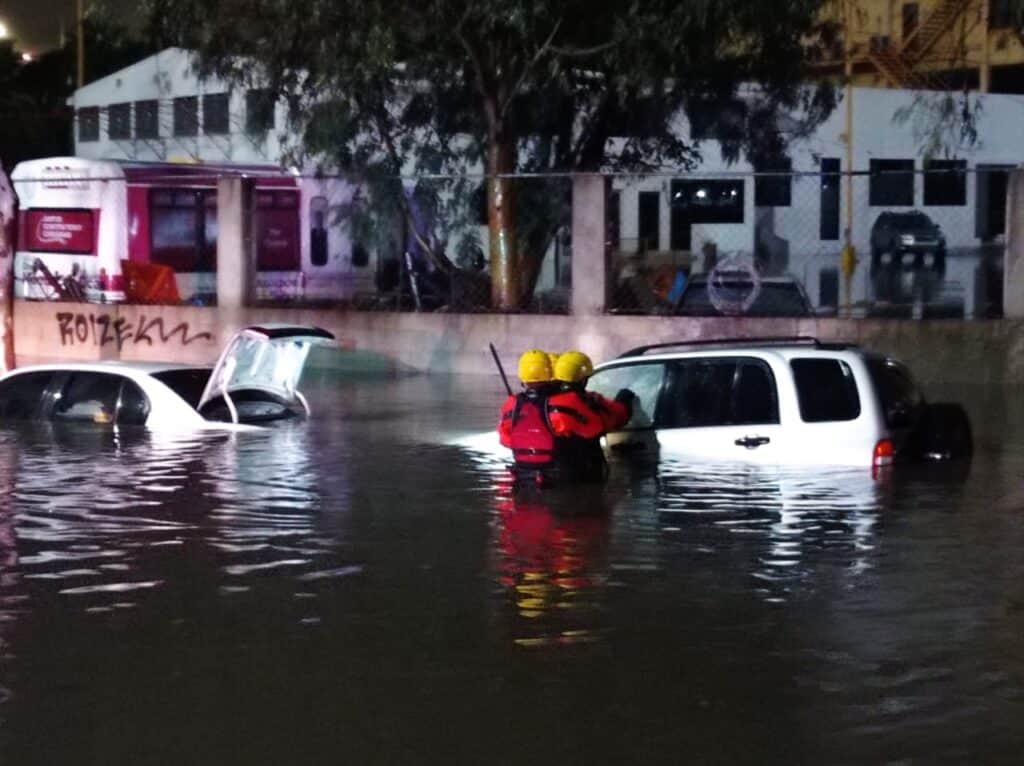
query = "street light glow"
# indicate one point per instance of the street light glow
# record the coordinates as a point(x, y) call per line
point(3, 31)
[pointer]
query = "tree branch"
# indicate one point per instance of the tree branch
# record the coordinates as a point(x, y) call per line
point(527, 68)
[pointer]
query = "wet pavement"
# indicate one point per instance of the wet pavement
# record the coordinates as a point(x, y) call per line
point(358, 589)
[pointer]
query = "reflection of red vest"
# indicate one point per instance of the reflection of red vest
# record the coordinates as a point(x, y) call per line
point(526, 430)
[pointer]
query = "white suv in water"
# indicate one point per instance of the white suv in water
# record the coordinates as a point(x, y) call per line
point(778, 401)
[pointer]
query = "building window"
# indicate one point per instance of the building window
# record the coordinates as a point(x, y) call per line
point(649, 220)
point(120, 124)
point(183, 228)
point(945, 182)
point(89, 124)
point(277, 231)
point(215, 114)
point(828, 215)
point(709, 201)
point(259, 111)
point(186, 116)
point(775, 187)
point(147, 122)
point(892, 183)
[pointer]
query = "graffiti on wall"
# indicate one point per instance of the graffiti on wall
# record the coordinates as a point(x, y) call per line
point(104, 330)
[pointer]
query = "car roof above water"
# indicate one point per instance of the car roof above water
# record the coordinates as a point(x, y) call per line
point(131, 369)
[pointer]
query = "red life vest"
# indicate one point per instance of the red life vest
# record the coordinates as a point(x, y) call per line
point(530, 435)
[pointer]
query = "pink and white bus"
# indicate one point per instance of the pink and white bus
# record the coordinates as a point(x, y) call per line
point(83, 223)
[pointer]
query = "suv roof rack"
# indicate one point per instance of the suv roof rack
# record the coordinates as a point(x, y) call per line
point(799, 340)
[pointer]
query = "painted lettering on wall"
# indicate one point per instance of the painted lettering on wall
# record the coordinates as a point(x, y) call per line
point(103, 330)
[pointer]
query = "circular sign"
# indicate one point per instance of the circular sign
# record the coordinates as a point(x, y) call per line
point(733, 285)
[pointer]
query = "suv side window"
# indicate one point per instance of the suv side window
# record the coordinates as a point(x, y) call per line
point(825, 389)
point(20, 395)
point(97, 397)
point(719, 392)
point(644, 380)
point(901, 400)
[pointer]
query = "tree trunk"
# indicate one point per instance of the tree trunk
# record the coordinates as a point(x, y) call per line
point(501, 220)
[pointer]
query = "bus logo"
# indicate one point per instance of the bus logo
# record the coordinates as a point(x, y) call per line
point(60, 231)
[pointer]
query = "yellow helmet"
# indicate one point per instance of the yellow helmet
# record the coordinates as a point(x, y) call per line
point(534, 367)
point(573, 366)
point(553, 358)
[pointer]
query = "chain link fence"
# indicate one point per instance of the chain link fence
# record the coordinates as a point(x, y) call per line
point(891, 240)
point(925, 243)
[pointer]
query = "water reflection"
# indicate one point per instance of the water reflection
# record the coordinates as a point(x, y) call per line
point(552, 557)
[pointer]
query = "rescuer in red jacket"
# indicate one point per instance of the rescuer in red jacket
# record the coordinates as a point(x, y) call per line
point(524, 426)
point(579, 418)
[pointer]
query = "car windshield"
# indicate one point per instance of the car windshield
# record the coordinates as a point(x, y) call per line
point(773, 299)
point(187, 383)
point(912, 219)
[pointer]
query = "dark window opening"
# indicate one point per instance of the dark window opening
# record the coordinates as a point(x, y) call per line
point(649, 220)
point(259, 111)
point(89, 124)
point(119, 124)
point(775, 187)
point(826, 390)
point(709, 201)
point(147, 120)
point(892, 183)
point(186, 116)
point(830, 185)
point(945, 182)
point(216, 114)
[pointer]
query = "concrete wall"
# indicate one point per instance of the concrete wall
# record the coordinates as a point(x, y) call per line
point(947, 352)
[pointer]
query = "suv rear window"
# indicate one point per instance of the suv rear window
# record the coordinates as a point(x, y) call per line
point(825, 389)
point(901, 400)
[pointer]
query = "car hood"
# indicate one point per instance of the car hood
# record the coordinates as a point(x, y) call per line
point(266, 358)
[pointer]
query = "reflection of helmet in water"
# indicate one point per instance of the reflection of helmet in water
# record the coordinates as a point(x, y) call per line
point(534, 367)
point(573, 366)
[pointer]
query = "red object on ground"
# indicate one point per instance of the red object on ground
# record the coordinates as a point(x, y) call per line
point(149, 283)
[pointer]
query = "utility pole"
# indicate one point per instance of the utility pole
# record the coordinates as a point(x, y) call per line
point(985, 73)
point(848, 258)
point(80, 40)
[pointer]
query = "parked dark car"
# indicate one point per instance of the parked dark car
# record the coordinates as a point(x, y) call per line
point(907, 239)
point(738, 294)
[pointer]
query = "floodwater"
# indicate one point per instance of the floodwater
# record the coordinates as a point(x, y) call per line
point(359, 590)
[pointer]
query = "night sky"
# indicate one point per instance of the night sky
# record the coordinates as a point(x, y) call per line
point(35, 24)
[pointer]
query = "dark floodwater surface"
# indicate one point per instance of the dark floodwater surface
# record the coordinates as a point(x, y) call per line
point(357, 589)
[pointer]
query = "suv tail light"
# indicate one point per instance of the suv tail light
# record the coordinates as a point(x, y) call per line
point(884, 453)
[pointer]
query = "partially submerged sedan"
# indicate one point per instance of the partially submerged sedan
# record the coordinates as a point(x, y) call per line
point(254, 382)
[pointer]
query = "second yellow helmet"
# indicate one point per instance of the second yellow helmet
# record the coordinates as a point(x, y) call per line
point(573, 366)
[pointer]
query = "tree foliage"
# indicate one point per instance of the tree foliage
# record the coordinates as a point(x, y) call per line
point(386, 88)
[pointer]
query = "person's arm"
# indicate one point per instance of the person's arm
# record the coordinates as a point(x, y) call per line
point(505, 421)
point(571, 414)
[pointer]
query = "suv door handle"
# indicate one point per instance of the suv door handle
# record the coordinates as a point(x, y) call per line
point(752, 442)
point(629, 447)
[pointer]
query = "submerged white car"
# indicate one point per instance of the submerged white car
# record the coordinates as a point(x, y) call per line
point(778, 401)
point(255, 381)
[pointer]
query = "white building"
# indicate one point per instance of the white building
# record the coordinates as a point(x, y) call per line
point(160, 110)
